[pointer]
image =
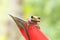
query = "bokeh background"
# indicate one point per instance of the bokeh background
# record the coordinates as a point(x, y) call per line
point(48, 10)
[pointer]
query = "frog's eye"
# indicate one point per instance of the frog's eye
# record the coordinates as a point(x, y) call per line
point(38, 17)
point(31, 16)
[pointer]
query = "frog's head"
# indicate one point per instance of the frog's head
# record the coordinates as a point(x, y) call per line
point(35, 19)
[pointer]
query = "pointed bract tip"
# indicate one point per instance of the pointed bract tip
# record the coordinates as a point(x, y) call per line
point(11, 15)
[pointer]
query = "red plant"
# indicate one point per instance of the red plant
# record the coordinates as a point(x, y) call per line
point(30, 32)
point(35, 33)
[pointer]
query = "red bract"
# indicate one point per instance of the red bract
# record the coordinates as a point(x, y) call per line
point(35, 33)
point(31, 31)
point(24, 33)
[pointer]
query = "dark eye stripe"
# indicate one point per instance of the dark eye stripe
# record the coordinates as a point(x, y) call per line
point(39, 18)
point(31, 16)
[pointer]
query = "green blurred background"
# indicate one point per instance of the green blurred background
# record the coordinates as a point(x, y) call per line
point(49, 11)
